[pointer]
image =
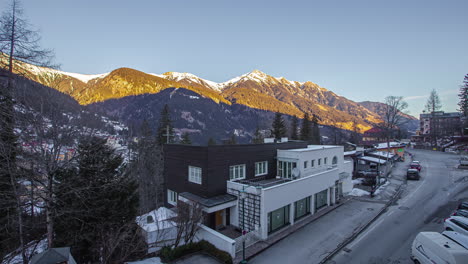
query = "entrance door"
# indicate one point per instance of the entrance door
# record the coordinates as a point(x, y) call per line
point(219, 219)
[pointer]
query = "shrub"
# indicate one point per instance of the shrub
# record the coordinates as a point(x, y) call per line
point(168, 254)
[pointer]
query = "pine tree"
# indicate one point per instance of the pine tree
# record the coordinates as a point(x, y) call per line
point(463, 95)
point(278, 127)
point(185, 139)
point(294, 125)
point(96, 202)
point(306, 130)
point(232, 140)
point(258, 137)
point(165, 127)
point(315, 131)
point(211, 141)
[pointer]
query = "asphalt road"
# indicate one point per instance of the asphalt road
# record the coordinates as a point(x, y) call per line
point(422, 207)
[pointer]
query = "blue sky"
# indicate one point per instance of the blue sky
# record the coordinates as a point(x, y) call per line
point(363, 50)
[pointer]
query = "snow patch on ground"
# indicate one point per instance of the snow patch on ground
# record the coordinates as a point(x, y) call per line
point(33, 248)
point(382, 187)
point(358, 192)
point(358, 181)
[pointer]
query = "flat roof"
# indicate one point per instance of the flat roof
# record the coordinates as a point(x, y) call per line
point(371, 159)
point(209, 202)
point(311, 148)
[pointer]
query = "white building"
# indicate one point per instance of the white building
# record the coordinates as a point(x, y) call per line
point(308, 180)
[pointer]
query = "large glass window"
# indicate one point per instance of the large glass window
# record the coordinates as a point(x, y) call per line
point(278, 218)
point(285, 169)
point(237, 172)
point(301, 207)
point(321, 199)
point(261, 168)
point(195, 174)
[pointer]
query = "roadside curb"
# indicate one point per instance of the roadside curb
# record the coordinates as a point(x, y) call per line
point(313, 220)
point(354, 235)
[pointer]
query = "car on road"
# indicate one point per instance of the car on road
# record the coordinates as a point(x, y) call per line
point(415, 165)
point(457, 223)
point(461, 212)
point(412, 174)
point(433, 247)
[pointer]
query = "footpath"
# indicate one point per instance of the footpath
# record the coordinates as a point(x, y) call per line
point(324, 235)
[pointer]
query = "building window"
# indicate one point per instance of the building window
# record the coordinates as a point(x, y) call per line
point(261, 168)
point(312, 163)
point(285, 169)
point(321, 199)
point(305, 164)
point(301, 208)
point(334, 160)
point(325, 161)
point(237, 172)
point(319, 162)
point(278, 218)
point(195, 175)
point(171, 197)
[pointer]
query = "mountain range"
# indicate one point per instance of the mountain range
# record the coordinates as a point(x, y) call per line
point(254, 89)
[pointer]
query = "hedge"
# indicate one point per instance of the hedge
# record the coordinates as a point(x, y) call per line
point(168, 254)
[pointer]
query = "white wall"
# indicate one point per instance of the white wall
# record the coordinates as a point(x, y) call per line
point(219, 240)
point(313, 153)
point(287, 193)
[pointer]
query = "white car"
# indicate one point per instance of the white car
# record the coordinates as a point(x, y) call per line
point(436, 248)
point(457, 223)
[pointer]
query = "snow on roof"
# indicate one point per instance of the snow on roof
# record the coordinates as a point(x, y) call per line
point(384, 154)
point(311, 148)
point(347, 153)
point(375, 160)
point(154, 260)
point(161, 219)
point(384, 145)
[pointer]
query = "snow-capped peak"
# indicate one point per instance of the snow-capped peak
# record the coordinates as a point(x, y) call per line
point(82, 77)
point(178, 76)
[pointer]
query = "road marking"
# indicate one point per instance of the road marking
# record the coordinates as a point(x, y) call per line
point(415, 191)
point(362, 235)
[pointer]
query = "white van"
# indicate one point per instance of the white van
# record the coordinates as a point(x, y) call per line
point(433, 247)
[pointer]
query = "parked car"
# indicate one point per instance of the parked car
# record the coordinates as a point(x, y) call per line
point(461, 212)
point(457, 237)
point(463, 205)
point(415, 165)
point(412, 174)
point(457, 223)
point(433, 247)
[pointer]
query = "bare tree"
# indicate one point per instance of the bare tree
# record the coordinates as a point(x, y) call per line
point(393, 110)
point(433, 102)
point(188, 220)
point(19, 43)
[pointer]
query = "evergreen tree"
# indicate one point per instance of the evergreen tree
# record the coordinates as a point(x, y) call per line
point(97, 205)
point(211, 141)
point(315, 131)
point(294, 125)
point(185, 139)
point(463, 95)
point(278, 127)
point(258, 137)
point(165, 127)
point(306, 130)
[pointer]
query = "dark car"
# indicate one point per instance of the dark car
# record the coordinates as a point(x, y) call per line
point(412, 174)
point(415, 165)
point(463, 205)
point(461, 212)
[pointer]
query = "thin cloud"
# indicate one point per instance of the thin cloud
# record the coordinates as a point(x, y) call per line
point(416, 97)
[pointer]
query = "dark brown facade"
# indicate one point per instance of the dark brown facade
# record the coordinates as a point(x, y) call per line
point(215, 162)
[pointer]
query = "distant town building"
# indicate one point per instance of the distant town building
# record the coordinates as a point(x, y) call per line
point(440, 124)
point(373, 136)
